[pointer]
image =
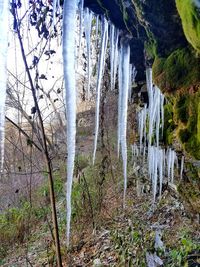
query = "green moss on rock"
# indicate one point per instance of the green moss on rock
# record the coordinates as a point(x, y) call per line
point(198, 123)
point(190, 17)
point(169, 125)
point(187, 114)
point(180, 70)
point(182, 108)
point(189, 188)
point(184, 135)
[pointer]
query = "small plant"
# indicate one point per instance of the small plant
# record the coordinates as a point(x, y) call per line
point(131, 245)
point(14, 226)
point(180, 256)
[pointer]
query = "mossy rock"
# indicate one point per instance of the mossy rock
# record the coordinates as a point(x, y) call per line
point(182, 108)
point(187, 115)
point(190, 195)
point(189, 188)
point(162, 24)
point(184, 135)
point(180, 70)
point(198, 123)
point(169, 125)
point(190, 17)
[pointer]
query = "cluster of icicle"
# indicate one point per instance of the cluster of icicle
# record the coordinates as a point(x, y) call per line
point(4, 11)
point(119, 63)
point(161, 163)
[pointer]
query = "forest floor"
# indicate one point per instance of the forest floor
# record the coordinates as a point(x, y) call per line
point(141, 234)
point(123, 236)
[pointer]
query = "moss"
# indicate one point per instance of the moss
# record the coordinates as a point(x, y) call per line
point(182, 108)
point(183, 135)
point(190, 18)
point(180, 70)
point(187, 114)
point(190, 194)
point(198, 123)
point(169, 125)
point(151, 48)
point(193, 147)
point(189, 188)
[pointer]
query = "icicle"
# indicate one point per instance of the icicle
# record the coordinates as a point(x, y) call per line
point(104, 41)
point(4, 13)
point(182, 165)
point(172, 165)
point(112, 54)
point(56, 5)
point(135, 151)
point(162, 111)
point(119, 104)
point(88, 27)
point(97, 30)
point(156, 108)
point(142, 126)
point(81, 5)
point(157, 117)
point(155, 168)
point(116, 56)
point(130, 82)
point(69, 29)
point(123, 106)
point(168, 163)
point(171, 156)
point(161, 167)
point(155, 172)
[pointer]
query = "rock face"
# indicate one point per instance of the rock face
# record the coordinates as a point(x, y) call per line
point(165, 34)
point(160, 33)
point(189, 11)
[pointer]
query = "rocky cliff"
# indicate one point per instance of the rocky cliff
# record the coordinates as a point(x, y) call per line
point(165, 34)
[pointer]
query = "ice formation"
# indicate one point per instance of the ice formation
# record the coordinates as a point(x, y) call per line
point(135, 150)
point(81, 6)
point(88, 28)
point(170, 160)
point(182, 166)
point(155, 109)
point(123, 106)
point(142, 117)
point(56, 6)
point(69, 30)
point(114, 35)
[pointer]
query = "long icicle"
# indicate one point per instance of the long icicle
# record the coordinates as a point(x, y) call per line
point(88, 28)
point(116, 56)
point(124, 66)
point(112, 54)
point(119, 103)
point(69, 29)
point(81, 6)
point(4, 11)
point(104, 41)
